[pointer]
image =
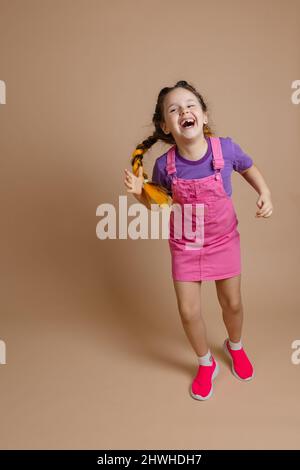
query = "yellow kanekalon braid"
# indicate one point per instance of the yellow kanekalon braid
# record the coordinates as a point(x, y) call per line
point(155, 193)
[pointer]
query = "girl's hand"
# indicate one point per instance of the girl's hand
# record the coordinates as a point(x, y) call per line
point(134, 183)
point(265, 206)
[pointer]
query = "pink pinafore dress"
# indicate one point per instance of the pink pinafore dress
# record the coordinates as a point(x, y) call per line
point(203, 237)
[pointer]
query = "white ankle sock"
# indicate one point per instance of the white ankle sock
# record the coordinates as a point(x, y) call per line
point(235, 346)
point(205, 360)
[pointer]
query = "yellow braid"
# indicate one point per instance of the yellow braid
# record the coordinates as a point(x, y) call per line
point(138, 152)
point(154, 193)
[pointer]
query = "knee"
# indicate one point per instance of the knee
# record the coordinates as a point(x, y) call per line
point(189, 312)
point(232, 306)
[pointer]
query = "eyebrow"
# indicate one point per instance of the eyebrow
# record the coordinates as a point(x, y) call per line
point(190, 99)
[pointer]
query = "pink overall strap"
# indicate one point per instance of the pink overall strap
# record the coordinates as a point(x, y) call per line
point(218, 161)
point(171, 168)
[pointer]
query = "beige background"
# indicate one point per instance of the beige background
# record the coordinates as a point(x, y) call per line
point(96, 354)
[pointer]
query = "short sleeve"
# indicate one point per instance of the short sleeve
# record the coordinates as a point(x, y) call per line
point(156, 174)
point(241, 161)
point(159, 176)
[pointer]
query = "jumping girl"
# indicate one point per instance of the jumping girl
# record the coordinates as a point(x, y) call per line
point(196, 171)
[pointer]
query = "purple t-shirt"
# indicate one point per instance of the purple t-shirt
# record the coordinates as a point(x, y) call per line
point(234, 159)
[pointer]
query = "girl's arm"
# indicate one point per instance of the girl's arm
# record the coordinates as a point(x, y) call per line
point(254, 177)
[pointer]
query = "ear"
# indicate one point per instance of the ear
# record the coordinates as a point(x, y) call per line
point(164, 128)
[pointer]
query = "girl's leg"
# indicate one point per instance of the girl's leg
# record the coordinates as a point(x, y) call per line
point(189, 305)
point(230, 299)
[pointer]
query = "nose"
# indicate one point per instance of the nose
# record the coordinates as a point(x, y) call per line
point(183, 112)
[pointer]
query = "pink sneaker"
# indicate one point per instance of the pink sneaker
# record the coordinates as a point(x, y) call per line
point(202, 387)
point(241, 366)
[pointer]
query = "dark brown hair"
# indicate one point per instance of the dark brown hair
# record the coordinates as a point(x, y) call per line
point(158, 134)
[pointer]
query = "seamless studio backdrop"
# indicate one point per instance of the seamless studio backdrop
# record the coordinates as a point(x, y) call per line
point(96, 356)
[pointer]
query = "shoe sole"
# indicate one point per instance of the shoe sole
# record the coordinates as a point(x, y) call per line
point(199, 397)
point(232, 367)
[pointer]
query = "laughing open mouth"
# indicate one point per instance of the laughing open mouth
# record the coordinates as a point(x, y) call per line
point(188, 123)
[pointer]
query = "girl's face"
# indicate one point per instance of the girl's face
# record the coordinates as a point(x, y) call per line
point(181, 105)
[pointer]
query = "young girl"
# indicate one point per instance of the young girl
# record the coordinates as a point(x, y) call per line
point(197, 170)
